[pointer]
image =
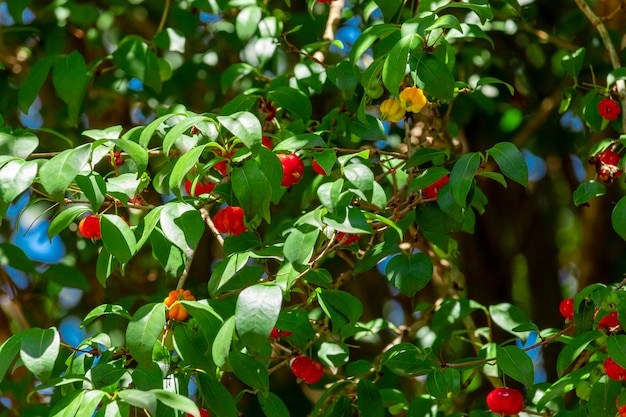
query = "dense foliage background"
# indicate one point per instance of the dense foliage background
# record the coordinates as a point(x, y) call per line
point(111, 107)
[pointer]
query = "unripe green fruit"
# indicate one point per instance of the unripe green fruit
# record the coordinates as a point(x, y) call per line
point(583, 390)
point(374, 90)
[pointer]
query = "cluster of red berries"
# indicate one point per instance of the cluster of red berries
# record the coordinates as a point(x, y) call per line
point(89, 227)
point(293, 169)
point(607, 165)
point(505, 401)
point(609, 109)
point(307, 369)
point(230, 221)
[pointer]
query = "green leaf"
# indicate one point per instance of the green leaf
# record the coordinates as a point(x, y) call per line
point(170, 256)
point(602, 400)
point(250, 371)
point(223, 340)
point(144, 330)
point(394, 68)
point(406, 359)
point(368, 37)
point(617, 349)
point(16, 176)
point(65, 218)
point(182, 167)
point(39, 349)
point(616, 74)
point(105, 266)
point(409, 273)
point(618, 218)
point(219, 401)
point(573, 349)
point(462, 177)
point(480, 7)
point(256, 313)
point(388, 7)
point(145, 228)
point(508, 317)
point(176, 402)
point(361, 177)
point(511, 162)
point(345, 76)
point(103, 310)
point(94, 188)
point(112, 132)
point(427, 177)
point(587, 191)
point(225, 270)
point(492, 80)
point(272, 405)
point(300, 244)
point(34, 81)
point(422, 156)
point(247, 22)
point(341, 307)
point(294, 101)
point(136, 152)
point(434, 77)
point(134, 56)
point(8, 351)
point(70, 78)
point(176, 132)
point(253, 190)
point(516, 363)
point(245, 126)
point(447, 21)
point(369, 400)
point(436, 383)
point(57, 174)
point(182, 225)
point(15, 257)
point(67, 276)
point(117, 237)
point(171, 40)
point(299, 141)
point(18, 145)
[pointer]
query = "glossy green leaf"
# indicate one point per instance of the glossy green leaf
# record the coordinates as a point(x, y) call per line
point(447, 21)
point(362, 178)
point(422, 156)
point(170, 256)
point(143, 331)
point(70, 78)
point(511, 162)
point(462, 177)
point(117, 237)
point(221, 346)
point(136, 152)
point(369, 400)
point(618, 218)
point(300, 244)
point(345, 76)
point(183, 165)
point(252, 189)
point(225, 270)
point(182, 225)
point(507, 317)
point(134, 56)
point(15, 257)
point(409, 273)
point(145, 228)
point(480, 7)
point(16, 176)
point(39, 349)
point(272, 405)
point(66, 276)
point(394, 69)
point(406, 359)
point(389, 7)
point(256, 313)
point(104, 310)
point(436, 384)
point(427, 177)
point(294, 101)
point(370, 35)
point(245, 126)
point(8, 352)
point(171, 40)
point(434, 77)
point(602, 400)
point(570, 353)
point(587, 191)
point(516, 363)
point(18, 145)
point(218, 398)
point(302, 140)
point(34, 81)
point(172, 137)
point(58, 173)
point(94, 188)
point(176, 402)
point(105, 265)
point(250, 371)
point(333, 354)
point(247, 22)
point(342, 307)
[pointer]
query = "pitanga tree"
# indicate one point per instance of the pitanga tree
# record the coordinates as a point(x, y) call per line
point(260, 203)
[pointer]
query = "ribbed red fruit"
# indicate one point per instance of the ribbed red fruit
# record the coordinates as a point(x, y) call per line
point(89, 227)
point(566, 308)
point(293, 168)
point(613, 370)
point(505, 401)
point(201, 187)
point(307, 369)
point(229, 220)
